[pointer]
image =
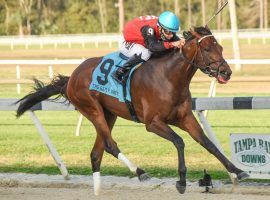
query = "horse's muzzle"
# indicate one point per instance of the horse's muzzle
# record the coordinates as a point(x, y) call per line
point(224, 76)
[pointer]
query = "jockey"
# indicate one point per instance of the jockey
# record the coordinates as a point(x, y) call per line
point(148, 35)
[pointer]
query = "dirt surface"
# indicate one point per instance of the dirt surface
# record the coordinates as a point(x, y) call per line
point(53, 187)
point(19, 193)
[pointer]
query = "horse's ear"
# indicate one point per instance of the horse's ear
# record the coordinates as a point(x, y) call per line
point(191, 29)
point(187, 35)
point(206, 27)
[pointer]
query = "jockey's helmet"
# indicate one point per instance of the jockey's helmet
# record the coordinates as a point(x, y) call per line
point(169, 21)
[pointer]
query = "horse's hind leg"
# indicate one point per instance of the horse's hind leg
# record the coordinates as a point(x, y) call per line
point(96, 157)
point(142, 175)
point(97, 152)
point(110, 119)
point(103, 122)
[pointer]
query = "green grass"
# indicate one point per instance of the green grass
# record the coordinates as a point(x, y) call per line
point(22, 149)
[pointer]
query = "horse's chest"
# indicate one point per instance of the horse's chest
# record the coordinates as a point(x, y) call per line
point(168, 110)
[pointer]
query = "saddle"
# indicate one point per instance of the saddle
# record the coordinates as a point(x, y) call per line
point(103, 82)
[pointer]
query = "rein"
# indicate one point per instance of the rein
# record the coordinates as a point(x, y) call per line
point(206, 68)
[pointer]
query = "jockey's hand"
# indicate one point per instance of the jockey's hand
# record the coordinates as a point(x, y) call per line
point(180, 43)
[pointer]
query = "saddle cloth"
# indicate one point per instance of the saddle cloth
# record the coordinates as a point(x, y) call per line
point(102, 80)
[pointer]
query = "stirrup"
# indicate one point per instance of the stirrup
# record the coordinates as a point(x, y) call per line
point(117, 78)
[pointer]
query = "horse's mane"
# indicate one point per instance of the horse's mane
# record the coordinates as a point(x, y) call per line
point(201, 30)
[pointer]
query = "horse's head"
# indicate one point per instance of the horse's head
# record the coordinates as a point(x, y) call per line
point(208, 54)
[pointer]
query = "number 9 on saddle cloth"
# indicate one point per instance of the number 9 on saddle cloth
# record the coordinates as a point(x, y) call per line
point(102, 80)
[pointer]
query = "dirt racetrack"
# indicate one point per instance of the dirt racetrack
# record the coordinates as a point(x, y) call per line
point(20, 186)
point(19, 193)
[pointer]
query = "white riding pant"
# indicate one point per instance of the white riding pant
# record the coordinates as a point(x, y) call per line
point(129, 49)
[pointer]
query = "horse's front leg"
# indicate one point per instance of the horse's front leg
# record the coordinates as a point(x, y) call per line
point(163, 130)
point(191, 125)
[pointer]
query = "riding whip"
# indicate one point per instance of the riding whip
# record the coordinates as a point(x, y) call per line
point(220, 9)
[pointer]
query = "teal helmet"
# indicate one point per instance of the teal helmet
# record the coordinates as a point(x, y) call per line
point(169, 21)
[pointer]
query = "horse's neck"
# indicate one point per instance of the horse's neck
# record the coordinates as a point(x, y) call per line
point(181, 71)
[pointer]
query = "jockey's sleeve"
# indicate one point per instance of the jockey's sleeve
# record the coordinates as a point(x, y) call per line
point(151, 42)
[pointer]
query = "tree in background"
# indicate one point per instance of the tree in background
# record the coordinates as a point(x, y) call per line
point(25, 13)
point(265, 14)
point(19, 17)
point(121, 14)
point(45, 15)
point(10, 19)
point(7, 16)
point(102, 14)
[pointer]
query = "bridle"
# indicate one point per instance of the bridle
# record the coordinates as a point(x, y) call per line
point(206, 67)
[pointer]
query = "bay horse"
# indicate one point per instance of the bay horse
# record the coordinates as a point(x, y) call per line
point(160, 96)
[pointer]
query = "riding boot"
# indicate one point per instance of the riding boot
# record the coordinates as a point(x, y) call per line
point(121, 72)
point(118, 74)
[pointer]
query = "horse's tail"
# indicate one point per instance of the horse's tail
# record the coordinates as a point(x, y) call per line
point(42, 92)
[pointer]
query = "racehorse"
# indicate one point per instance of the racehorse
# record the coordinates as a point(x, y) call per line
point(160, 96)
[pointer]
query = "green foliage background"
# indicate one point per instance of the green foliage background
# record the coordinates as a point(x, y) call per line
point(83, 16)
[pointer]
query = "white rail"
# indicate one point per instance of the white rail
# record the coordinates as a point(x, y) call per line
point(42, 62)
point(57, 40)
point(99, 38)
point(249, 61)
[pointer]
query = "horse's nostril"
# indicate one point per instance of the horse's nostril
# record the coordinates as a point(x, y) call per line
point(227, 73)
point(224, 73)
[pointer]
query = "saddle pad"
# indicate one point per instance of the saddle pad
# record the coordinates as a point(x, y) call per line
point(102, 80)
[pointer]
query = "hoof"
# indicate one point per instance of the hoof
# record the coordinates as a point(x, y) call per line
point(181, 186)
point(242, 176)
point(142, 175)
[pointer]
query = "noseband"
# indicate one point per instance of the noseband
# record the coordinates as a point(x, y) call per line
point(206, 67)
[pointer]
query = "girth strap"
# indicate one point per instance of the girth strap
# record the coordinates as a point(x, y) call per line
point(129, 103)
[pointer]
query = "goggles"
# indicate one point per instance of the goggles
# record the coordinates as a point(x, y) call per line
point(167, 32)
